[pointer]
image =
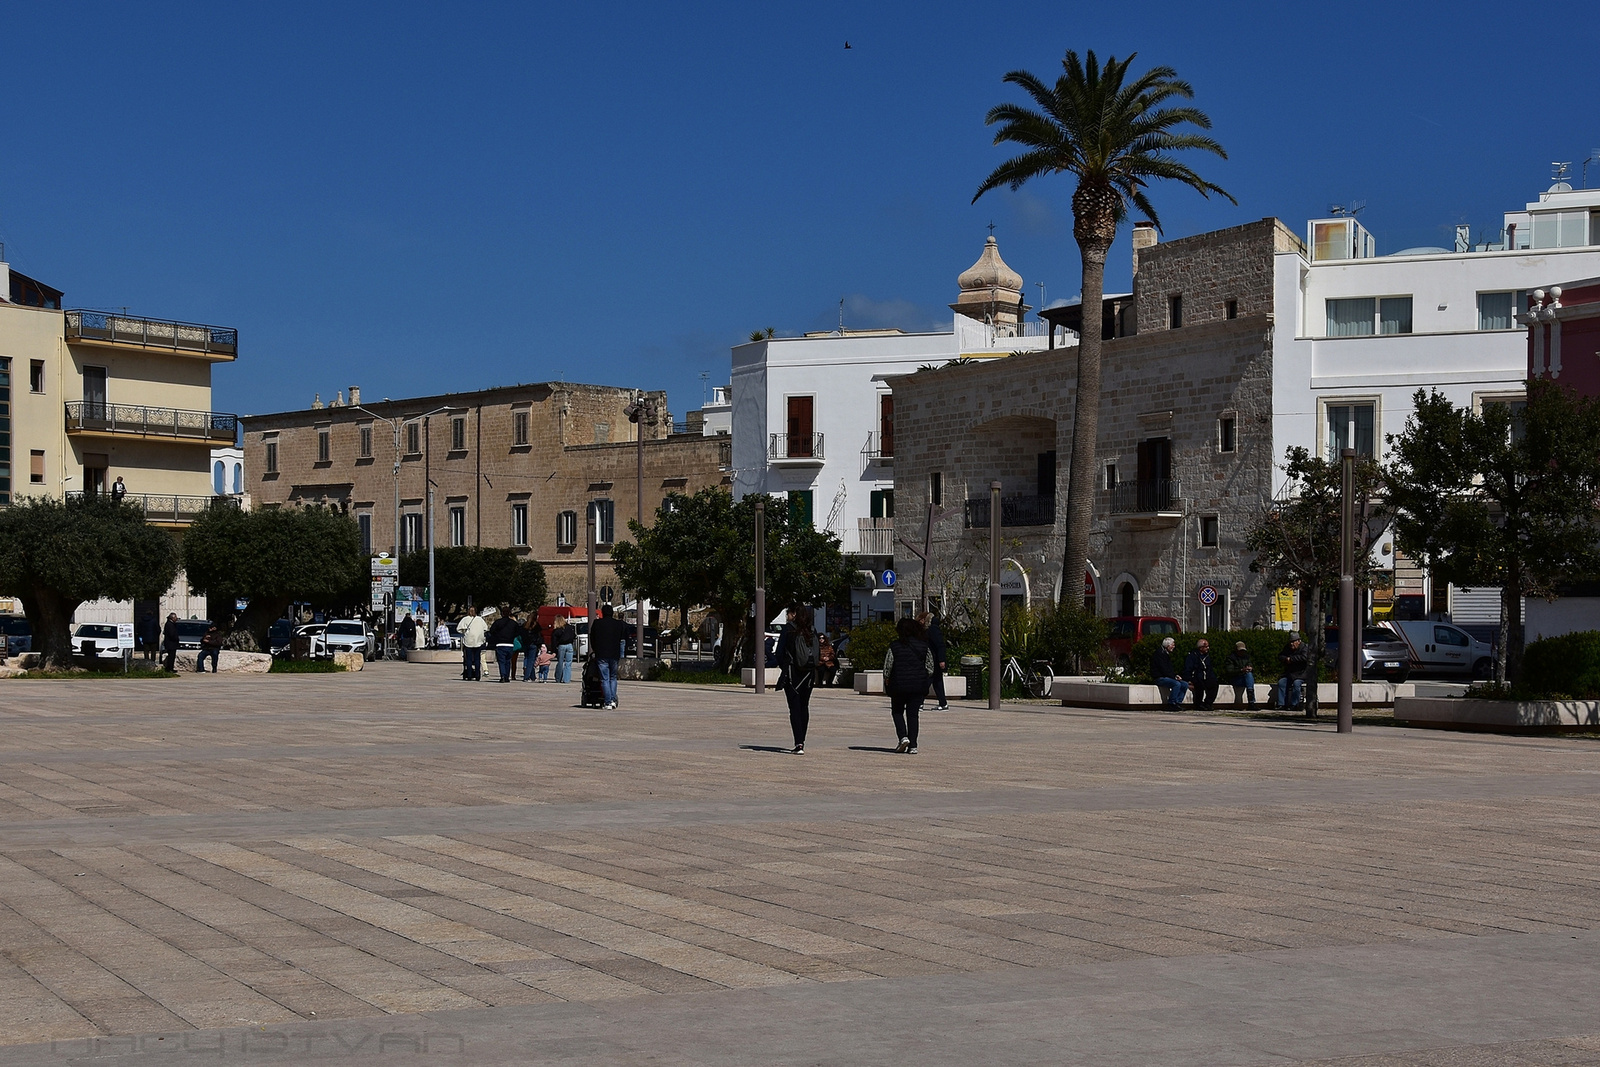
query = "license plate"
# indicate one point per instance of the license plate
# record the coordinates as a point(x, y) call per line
point(1391, 664)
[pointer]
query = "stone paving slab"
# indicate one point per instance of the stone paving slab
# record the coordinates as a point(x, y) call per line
point(383, 853)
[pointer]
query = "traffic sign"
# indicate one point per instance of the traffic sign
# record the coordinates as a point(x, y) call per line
point(888, 579)
point(1208, 595)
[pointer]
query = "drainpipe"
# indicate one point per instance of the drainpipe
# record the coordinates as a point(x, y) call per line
point(477, 458)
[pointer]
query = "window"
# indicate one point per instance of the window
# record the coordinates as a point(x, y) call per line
point(36, 466)
point(1111, 475)
point(519, 524)
point(519, 428)
point(1127, 599)
point(272, 457)
point(1046, 465)
point(1496, 311)
point(1394, 314)
point(1174, 311)
point(1230, 309)
point(1363, 316)
point(1228, 433)
point(936, 489)
point(1155, 490)
point(364, 447)
point(411, 536)
point(801, 501)
point(605, 521)
point(413, 439)
point(1217, 612)
point(323, 449)
point(1208, 531)
point(364, 524)
point(218, 477)
point(1564, 229)
point(882, 503)
point(458, 526)
point(1514, 405)
point(238, 477)
point(567, 529)
point(1447, 635)
point(458, 434)
point(1350, 426)
point(886, 425)
point(36, 376)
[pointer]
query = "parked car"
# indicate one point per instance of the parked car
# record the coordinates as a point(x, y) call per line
point(1444, 647)
point(1129, 630)
point(190, 631)
point(278, 636)
point(351, 635)
point(108, 639)
point(18, 633)
point(1383, 654)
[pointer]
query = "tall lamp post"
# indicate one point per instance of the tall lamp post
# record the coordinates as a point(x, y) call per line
point(994, 596)
point(761, 598)
point(1350, 638)
point(640, 412)
point(395, 424)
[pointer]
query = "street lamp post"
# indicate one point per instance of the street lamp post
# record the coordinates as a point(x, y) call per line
point(994, 596)
point(395, 424)
point(642, 410)
point(1349, 637)
point(760, 656)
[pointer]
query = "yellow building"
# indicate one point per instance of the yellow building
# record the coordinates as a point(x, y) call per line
point(92, 397)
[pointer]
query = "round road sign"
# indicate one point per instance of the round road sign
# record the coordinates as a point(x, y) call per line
point(1208, 595)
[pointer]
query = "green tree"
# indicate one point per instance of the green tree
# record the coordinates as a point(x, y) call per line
point(54, 555)
point(701, 551)
point(1297, 545)
point(272, 557)
point(1501, 497)
point(1115, 135)
point(479, 576)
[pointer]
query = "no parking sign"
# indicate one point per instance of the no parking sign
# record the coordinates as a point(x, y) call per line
point(1208, 595)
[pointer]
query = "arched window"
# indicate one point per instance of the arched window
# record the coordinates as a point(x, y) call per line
point(1127, 599)
point(238, 477)
point(219, 483)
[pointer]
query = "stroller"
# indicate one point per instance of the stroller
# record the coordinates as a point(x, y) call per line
point(594, 693)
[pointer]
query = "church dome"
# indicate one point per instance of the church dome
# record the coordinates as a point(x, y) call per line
point(990, 272)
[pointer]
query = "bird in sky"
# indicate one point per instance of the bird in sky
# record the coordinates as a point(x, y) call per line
point(847, 44)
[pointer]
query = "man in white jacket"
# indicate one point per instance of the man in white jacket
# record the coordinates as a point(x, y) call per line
point(474, 633)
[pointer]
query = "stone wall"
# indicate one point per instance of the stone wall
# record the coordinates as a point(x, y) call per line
point(1208, 270)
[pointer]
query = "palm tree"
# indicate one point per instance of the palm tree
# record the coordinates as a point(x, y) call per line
point(1115, 135)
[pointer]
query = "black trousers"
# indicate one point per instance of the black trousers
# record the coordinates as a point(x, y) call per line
point(1205, 693)
point(799, 696)
point(169, 658)
point(938, 683)
point(905, 711)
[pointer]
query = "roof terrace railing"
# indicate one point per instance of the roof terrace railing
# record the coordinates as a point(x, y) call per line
point(151, 333)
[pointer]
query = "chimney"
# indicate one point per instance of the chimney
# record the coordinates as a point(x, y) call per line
point(1144, 236)
point(355, 396)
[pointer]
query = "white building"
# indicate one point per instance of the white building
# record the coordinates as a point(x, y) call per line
point(1357, 333)
point(813, 420)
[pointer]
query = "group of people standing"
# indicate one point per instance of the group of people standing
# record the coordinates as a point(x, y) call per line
point(514, 637)
point(915, 659)
point(1199, 674)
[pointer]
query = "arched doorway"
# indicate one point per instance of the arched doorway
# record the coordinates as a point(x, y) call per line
point(1127, 598)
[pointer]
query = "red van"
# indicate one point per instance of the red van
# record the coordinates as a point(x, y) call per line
point(1128, 630)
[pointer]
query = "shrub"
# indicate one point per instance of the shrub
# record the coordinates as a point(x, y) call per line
point(1566, 666)
point(1265, 647)
point(1071, 638)
point(869, 643)
point(304, 666)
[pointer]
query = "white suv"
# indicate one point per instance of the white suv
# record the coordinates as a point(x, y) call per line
point(350, 635)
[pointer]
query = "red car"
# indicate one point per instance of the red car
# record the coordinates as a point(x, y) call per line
point(1127, 630)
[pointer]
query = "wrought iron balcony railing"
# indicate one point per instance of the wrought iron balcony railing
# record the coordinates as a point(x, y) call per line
point(152, 333)
point(1151, 496)
point(880, 447)
point(806, 446)
point(88, 416)
point(1014, 511)
point(164, 508)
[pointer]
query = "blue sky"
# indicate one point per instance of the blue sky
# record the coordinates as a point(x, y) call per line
point(421, 198)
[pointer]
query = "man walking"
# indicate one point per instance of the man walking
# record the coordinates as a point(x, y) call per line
point(605, 643)
point(169, 643)
point(1201, 675)
point(473, 634)
point(930, 622)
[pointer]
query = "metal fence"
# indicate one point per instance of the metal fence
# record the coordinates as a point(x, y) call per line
point(164, 508)
point(875, 537)
point(152, 333)
point(1014, 511)
point(880, 446)
point(795, 446)
point(88, 415)
point(1147, 497)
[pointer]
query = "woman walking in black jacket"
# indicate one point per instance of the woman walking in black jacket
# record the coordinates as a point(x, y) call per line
point(907, 669)
point(797, 664)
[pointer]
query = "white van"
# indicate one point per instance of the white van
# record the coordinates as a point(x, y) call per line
point(1440, 646)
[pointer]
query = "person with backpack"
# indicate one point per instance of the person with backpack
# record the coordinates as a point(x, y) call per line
point(799, 653)
point(907, 671)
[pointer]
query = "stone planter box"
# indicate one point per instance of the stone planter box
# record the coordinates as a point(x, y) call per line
point(748, 676)
point(1079, 693)
point(230, 662)
point(435, 655)
point(869, 683)
point(1467, 714)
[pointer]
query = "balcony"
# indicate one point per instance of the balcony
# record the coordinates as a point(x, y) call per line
point(1150, 503)
point(1014, 511)
point(95, 419)
point(163, 510)
point(879, 450)
point(795, 450)
point(874, 537)
point(125, 331)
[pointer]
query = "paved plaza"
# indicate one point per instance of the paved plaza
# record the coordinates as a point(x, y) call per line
point(395, 865)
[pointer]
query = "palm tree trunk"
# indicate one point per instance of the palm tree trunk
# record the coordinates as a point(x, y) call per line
point(1085, 421)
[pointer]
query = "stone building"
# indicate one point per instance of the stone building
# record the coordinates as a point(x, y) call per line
point(512, 467)
point(1185, 453)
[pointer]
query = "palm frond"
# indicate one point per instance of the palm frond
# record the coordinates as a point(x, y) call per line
point(1017, 170)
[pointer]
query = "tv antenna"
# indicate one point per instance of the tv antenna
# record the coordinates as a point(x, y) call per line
point(1594, 157)
point(1558, 171)
point(841, 316)
point(705, 388)
point(1340, 211)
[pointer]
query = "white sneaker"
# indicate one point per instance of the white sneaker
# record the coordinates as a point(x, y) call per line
point(905, 745)
point(944, 707)
point(912, 751)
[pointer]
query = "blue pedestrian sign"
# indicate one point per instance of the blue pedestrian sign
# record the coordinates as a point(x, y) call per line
point(888, 579)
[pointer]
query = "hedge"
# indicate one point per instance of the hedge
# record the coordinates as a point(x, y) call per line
point(1561, 667)
point(869, 642)
point(1265, 647)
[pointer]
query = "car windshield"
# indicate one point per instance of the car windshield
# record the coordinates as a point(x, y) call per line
point(281, 628)
point(1122, 628)
point(16, 626)
point(193, 627)
point(94, 629)
point(1160, 627)
point(1381, 637)
point(355, 628)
